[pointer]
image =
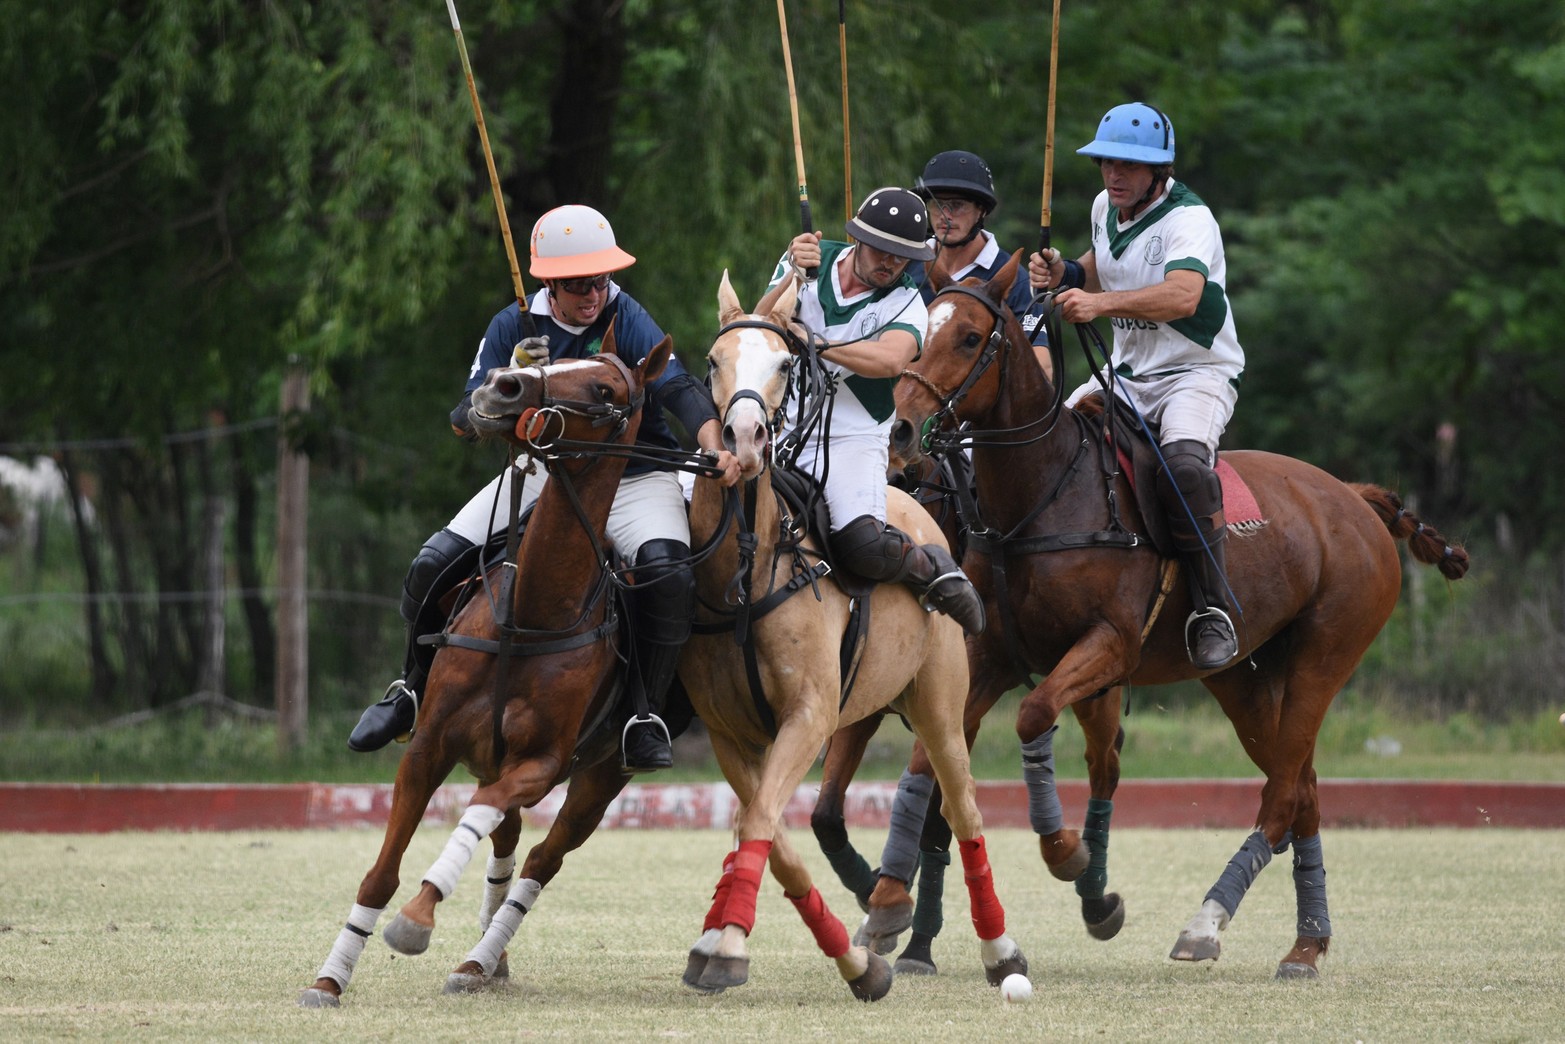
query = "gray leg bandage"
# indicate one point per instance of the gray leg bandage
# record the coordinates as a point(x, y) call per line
point(1309, 884)
point(927, 916)
point(1240, 872)
point(1095, 832)
point(1043, 800)
point(899, 858)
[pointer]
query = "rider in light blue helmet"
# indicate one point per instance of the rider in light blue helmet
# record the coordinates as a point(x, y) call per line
point(1158, 271)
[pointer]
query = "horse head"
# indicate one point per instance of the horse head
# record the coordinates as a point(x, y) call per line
point(961, 374)
point(567, 402)
point(750, 363)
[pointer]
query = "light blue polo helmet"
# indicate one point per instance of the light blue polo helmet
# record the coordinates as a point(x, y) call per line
point(1135, 132)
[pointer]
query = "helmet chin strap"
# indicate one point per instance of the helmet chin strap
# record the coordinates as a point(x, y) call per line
point(972, 234)
point(1153, 191)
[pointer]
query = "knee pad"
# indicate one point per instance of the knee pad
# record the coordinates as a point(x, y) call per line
point(871, 549)
point(664, 593)
point(1187, 480)
point(439, 565)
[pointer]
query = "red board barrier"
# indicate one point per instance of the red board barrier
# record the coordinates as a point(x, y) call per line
point(1182, 803)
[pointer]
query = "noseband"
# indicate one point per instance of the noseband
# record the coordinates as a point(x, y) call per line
point(532, 425)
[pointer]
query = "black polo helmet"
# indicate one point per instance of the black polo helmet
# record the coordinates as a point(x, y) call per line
point(894, 220)
point(959, 173)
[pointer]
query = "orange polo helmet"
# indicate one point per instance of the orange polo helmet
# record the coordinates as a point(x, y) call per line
point(573, 241)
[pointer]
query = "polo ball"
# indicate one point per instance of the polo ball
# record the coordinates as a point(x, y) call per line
point(1562, 719)
point(1016, 989)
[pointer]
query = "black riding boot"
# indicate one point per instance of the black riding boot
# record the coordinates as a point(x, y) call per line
point(444, 561)
point(663, 602)
point(1192, 495)
point(884, 553)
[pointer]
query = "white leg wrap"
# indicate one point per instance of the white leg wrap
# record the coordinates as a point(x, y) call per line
point(475, 825)
point(350, 943)
point(504, 924)
point(497, 881)
point(993, 951)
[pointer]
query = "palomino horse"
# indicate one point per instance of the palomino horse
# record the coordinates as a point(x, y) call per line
point(519, 703)
point(771, 688)
point(1315, 582)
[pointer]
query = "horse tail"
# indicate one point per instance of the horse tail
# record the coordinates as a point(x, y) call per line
point(1423, 540)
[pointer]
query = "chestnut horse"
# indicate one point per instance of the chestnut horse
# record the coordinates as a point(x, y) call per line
point(1315, 582)
point(519, 705)
point(770, 687)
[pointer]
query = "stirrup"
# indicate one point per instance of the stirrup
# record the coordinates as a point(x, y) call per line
point(650, 719)
point(927, 598)
point(401, 684)
point(1193, 621)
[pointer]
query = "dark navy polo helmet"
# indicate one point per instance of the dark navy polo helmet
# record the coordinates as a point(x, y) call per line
point(958, 173)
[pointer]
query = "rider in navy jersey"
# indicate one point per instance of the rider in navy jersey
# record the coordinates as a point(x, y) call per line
point(573, 253)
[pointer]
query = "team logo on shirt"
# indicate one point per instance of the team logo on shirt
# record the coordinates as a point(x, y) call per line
point(1155, 251)
point(594, 347)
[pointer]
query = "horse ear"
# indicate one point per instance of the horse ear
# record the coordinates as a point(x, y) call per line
point(999, 288)
point(938, 276)
point(782, 308)
point(728, 307)
point(769, 303)
point(652, 366)
point(607, 347)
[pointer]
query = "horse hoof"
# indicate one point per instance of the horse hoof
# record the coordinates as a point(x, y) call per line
point(875, 983)
point(1108, 925)
point(313, 998)
point(407, 936)
point(1289, 970)
point(1193, 948)
point(1072, 867)
point(880, 929)
point(695, 965)
point(1016, 964)
point(914, 966)
point(461, 982)
point(723, 972)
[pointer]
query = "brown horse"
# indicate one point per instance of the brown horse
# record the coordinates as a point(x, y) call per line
point(770, 688)
point(1315, 583)
point(521, 704)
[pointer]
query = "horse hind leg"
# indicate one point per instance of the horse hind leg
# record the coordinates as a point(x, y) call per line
point(844, 753)
point(471, 976)
point(934, 856)
point(867, 974)
point(890, 906)
point(1309, 885)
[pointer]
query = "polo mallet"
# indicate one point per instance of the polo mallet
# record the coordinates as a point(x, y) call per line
point(847, 148)
point(1048, 134)
point(798, 140)
point(529, 329)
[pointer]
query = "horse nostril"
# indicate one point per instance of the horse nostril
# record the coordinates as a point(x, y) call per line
point(509, 387)
point(729, 442)
point(902, 436)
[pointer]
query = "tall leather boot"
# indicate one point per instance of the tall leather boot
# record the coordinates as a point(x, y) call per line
point(662, 601)
point(1192, 495)
point(444, 561)
point(884, 553)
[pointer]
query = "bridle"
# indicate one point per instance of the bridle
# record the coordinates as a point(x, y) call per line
point(939, 432)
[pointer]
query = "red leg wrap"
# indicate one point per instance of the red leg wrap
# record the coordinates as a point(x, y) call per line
point(714, 916)
point(829, 933)
point(988, 914)
point(749, 861)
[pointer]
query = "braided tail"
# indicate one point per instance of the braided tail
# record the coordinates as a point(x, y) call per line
point(1423, 540)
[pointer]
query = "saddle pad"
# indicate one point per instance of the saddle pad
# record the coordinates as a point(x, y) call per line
point(1239, 505)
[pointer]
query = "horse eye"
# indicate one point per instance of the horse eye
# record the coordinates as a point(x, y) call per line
point(972, 339)
point(605, 393)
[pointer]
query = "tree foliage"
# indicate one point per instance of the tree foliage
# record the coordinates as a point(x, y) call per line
point(199, 192)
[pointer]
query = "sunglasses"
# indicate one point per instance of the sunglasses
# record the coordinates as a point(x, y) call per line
point(584, 286)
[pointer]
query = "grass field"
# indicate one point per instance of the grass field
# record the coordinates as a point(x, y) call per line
point(1441, 935)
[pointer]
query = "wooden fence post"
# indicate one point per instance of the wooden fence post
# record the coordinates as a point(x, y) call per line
point(293, 496)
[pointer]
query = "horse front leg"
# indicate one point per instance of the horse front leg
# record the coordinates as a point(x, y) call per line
point(589, 796)
point(1102, 912)
point(417, 777)
point(844, 754)
point(522, 784)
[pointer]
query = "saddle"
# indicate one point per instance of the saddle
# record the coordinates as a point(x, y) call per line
point(1139, 464)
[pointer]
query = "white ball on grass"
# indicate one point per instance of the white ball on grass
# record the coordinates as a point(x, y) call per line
point(1016, 989)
